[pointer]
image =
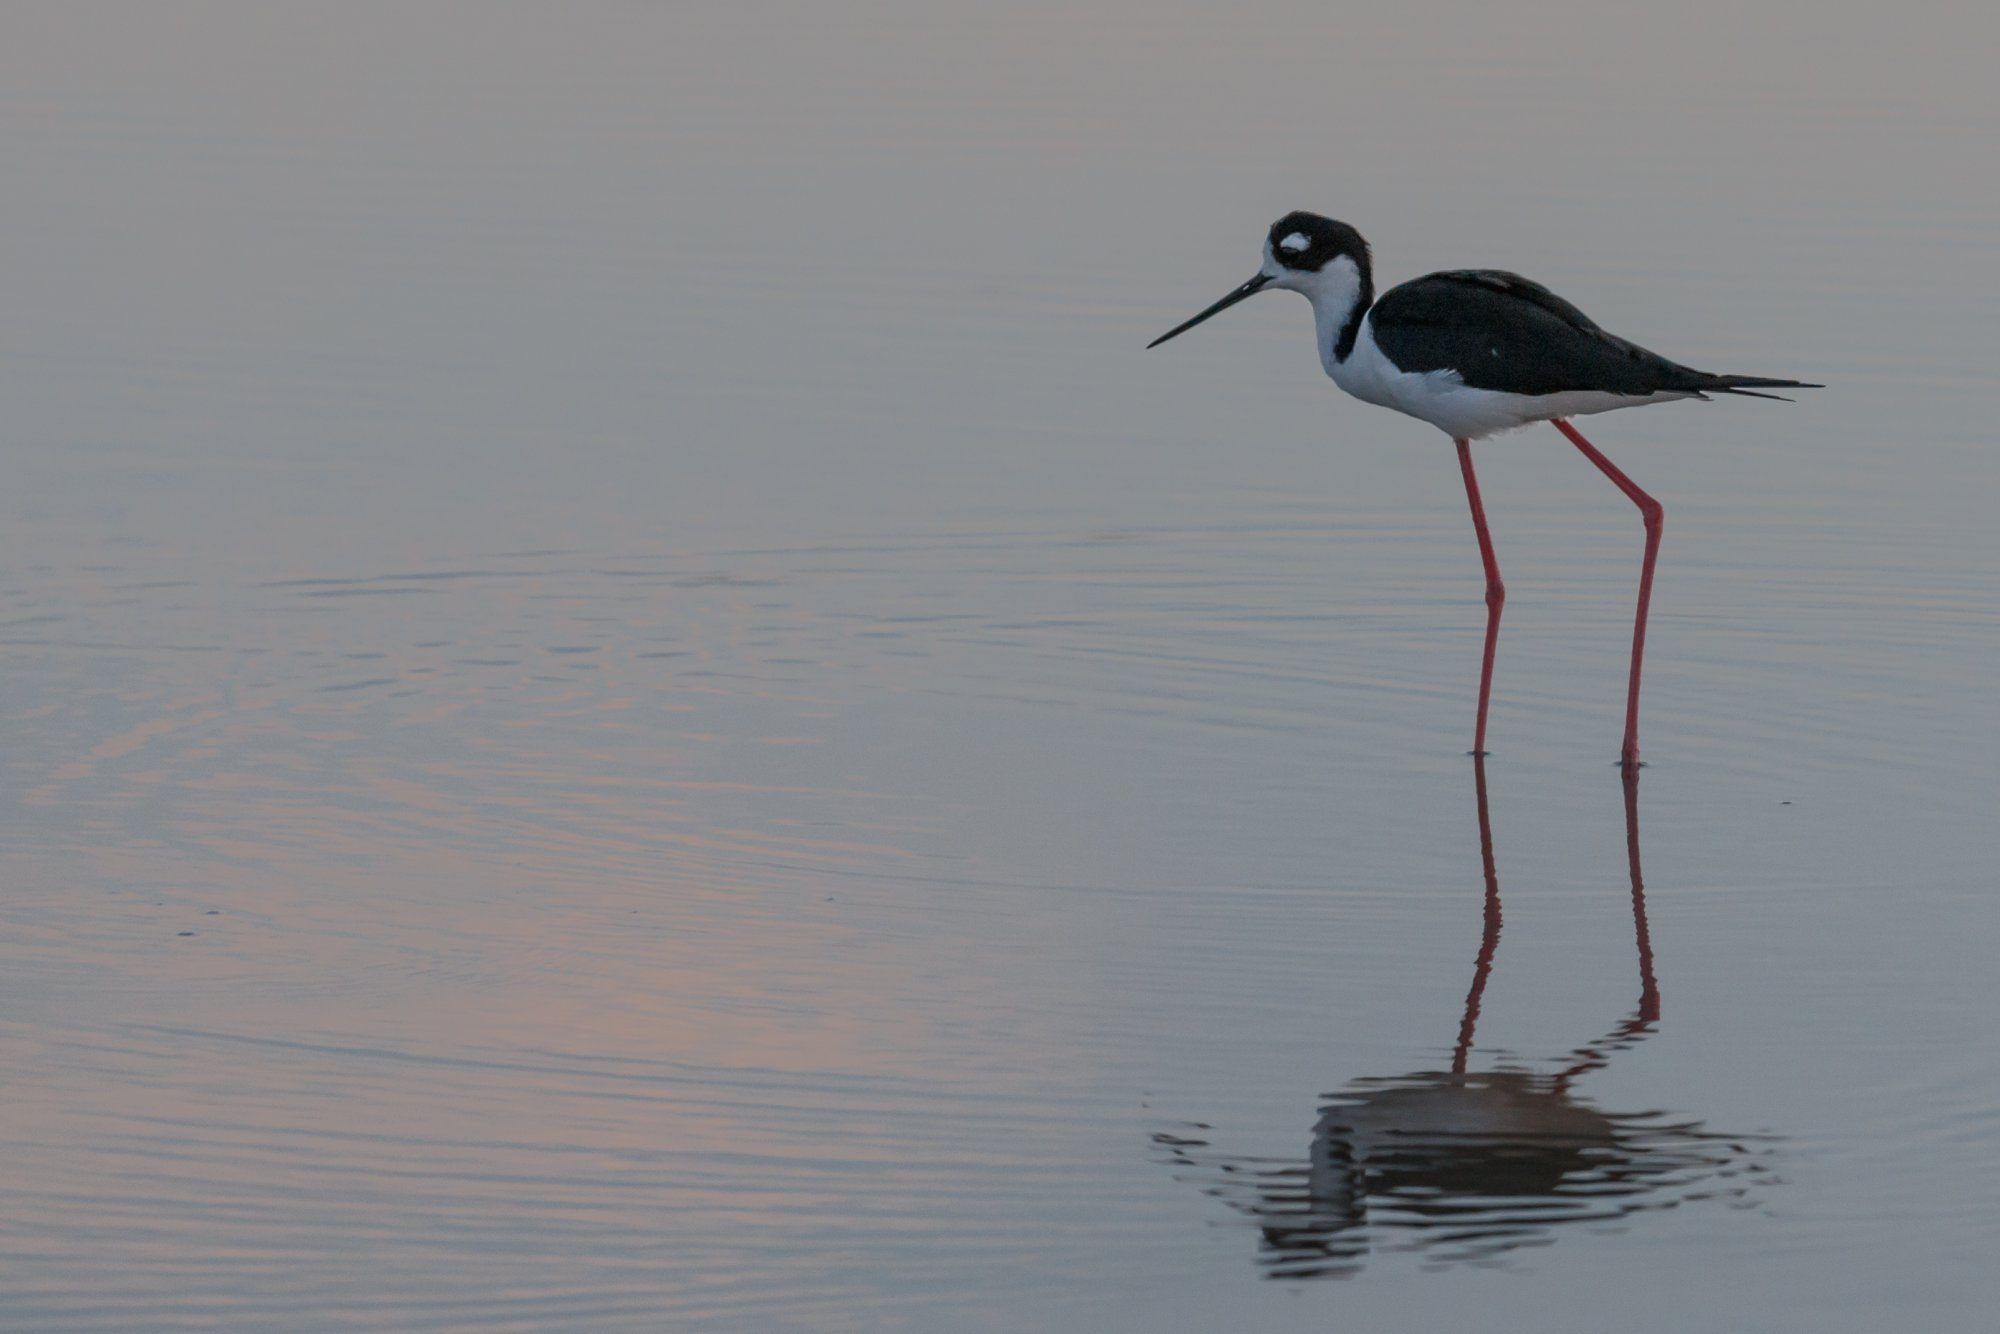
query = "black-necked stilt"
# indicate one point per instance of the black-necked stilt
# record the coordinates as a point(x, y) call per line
point(1472, 352)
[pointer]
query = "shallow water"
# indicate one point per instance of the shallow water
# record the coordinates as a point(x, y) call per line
point(631, 706)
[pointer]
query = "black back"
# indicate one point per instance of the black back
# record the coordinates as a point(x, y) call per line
point(1501, 331)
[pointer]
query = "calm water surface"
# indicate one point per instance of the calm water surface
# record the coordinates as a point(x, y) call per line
point(629, 705)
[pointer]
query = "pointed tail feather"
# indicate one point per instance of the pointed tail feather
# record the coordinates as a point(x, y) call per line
point(1745, 386)
point(1752, 393)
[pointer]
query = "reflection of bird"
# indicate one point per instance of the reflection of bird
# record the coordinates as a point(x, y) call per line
point(1468, 1166)
point(1472, 352)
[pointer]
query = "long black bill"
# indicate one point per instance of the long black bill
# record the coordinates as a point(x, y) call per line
point(1248, 289)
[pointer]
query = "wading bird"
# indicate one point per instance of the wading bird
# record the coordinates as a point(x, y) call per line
point(1473, 352)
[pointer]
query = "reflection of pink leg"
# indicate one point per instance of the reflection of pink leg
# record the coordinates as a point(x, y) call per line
point(1649, 990)
point(1598, 1054)
point(1650, 511)
point(1496, 592)
point(1489, 939)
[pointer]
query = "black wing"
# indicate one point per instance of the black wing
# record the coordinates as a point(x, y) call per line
point(1501, 331)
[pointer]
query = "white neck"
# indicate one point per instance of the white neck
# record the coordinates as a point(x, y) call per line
point(1334, 292)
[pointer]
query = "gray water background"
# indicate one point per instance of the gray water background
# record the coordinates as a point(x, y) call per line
point(629, 705)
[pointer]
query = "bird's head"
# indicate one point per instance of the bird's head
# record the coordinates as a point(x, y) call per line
point(1305, 253)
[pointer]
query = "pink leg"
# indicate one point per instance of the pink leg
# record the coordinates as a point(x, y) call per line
point(1496, 593)
point(1649, 509)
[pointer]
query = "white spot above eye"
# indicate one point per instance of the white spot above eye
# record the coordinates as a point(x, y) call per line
point(1296, 241)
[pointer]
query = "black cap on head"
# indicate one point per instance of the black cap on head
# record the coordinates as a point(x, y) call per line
point(1307, 242)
